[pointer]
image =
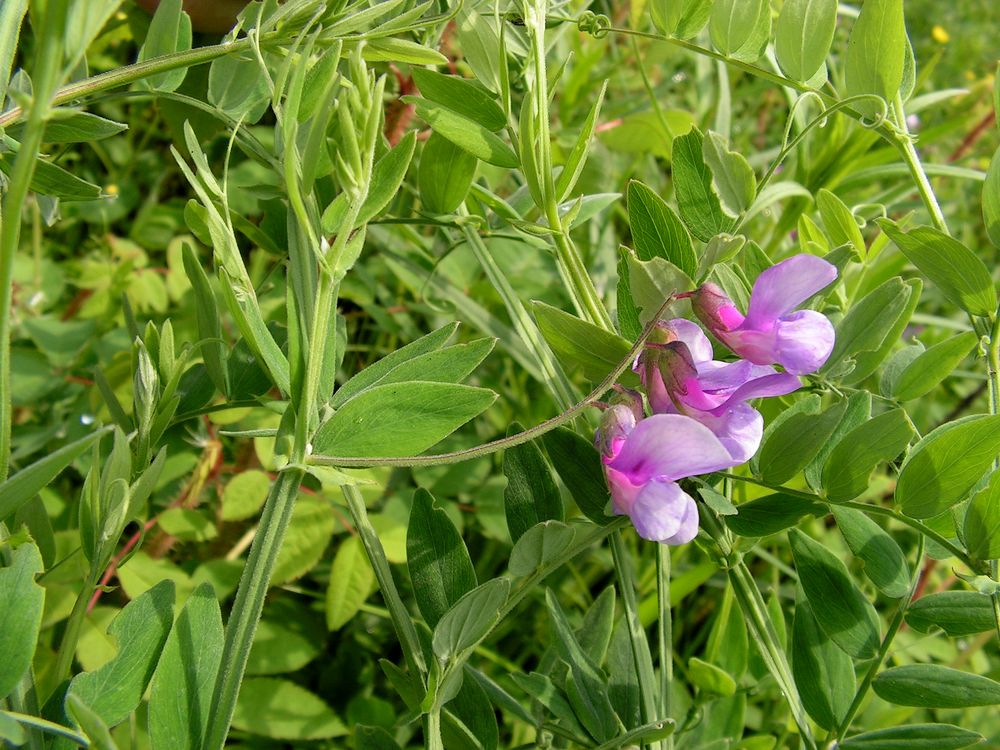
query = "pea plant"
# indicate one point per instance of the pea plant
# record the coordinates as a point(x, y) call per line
point(489, 375)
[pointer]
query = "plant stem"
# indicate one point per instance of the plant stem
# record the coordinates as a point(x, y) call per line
point(637, 635)
point(49, 726)
point(665, 632)
point(48, 62)
point(904, 143)
point(74, 624)
point(249, 603)
point(993, 369)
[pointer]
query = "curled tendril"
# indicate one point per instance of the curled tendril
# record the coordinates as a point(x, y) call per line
point(596, 24)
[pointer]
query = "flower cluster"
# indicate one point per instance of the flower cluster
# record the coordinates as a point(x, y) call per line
point(701, 421)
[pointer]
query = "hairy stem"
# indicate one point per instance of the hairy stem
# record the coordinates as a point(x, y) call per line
point(665, 633)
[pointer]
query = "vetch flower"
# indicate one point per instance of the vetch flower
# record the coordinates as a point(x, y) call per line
point(771, 333)
point(644, 458)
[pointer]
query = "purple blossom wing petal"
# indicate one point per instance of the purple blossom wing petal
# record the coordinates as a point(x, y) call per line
point(660, 510)
point(691, 334)
point(776, 384)
point(689, 526)
point(803, 341)
point(669, 446)
point(725, 376)
point(786, 285)
point(739, 428)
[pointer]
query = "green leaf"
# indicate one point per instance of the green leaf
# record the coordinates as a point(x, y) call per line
point(29, 481)
point(841, 610)
point(982, 522)
point(957, 613)
point(187, 524)
point(542, 689)
point(885, 564)
point(306, 539)
point(961, 276)
point(375, 372)
point(73, 126)
point(288, 637)
point(140, 630)
point(91, 724)
point(875, 51)
point(733, 177)
point(823, 673)
point(21, 614)
point(352, 581)
point(699, 205)
point(579, 467)
point(578, 343)
point(538, 546)
point(740, 28)
point(868, 323)
point(465, 133)
point(470, 619)
point(934, 686)
point(440, 567)
point(710, 678)
point(10, 730)
point(400, 419)
point(862, 450)
point(771, 514)
point(282, 710)
point(387, 176)
point(169, 32)
point(577, 157)
point(795, 437)
point(471, 708)
point(448, 365)
point(652, 281)
point(50, 179)
point(839, 222)
point(803, 36)
point(445, 174)
point(531, 495)
point(244, 495)
point(991, 199)
point(213, 348)
point(627, 312)
point(182, 686)
point(657, 231)
point(914, 737)
point(11, 16)
point(947, 464)
point(236, 87)
point(858, 411)
point(462, 97)
point(929, 368)
point(393, 49)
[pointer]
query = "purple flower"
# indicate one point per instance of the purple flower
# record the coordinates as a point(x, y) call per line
point(680, 376)
point(644, 458)
point(771, 333)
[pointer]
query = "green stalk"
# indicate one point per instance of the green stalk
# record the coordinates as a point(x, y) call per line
point(249, 603)
point(74, 626)
point(48, 726)
point(665, 633)
point(904, 143)
point(48, 63)
point(993, 367)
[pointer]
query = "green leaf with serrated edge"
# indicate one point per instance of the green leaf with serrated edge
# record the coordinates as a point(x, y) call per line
point(306, 539)
point(934, 686)
point(733, 177)
point(947, 464)
point(982, 522)
point(387, 176)
point(374, 372)
point(579, 467)
point(657, 231)
point(531, 495)
point(445, 174)
point(869, 321)
point(862, 450)
point(461, 96)
point(465, 133)
point(451, 364)
point(823, 673)
point(884, 562)
point(140, 631)
point(740, 28)
point(29, 481)
point(352, 580)
point(577, 343)
point(710, 678)
point(169, 32)
point(859, 409)
point(839, 222)
point(439, 564)
point(470, 619)
point(795, 437)
point(957, 613)
point(21, 614)
point(841, 610)
point(627, 313)
point(182, 685)
point(953, 268)
point(586, 685)
point(245, 494)
point(914, 737)
point(289, 636)
point(771, 514)
point(865, 363)
point(699, 205)
point(875, 51)
point(803, 36)
point(991, 199)
point(577, 157)
point(932, 366)
point(281, 709)
point(539, 545)
point(400, 419)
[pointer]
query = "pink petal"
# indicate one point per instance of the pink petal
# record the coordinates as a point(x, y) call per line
point(739, 429)
point(669, 446)
point(803, 341)
point(663, 511)
point(786, 285)
point(776, 384)
point(691, 334)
